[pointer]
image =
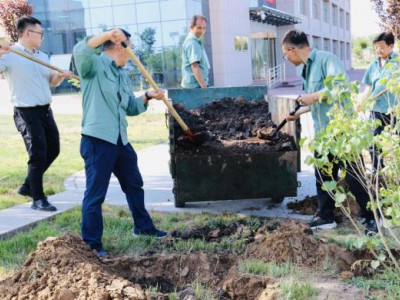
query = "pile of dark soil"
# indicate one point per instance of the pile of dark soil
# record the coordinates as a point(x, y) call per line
point(231, 126)
point(293, 242)
point(307, 206)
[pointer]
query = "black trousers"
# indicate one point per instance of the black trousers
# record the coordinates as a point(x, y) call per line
point(42, 142)
point(326, 204)
point(373, 151)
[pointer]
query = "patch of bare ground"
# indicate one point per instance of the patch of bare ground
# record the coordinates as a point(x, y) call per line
point(65, 268)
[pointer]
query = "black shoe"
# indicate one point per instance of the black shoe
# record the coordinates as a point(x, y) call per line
point(43, 205)
point(23, 190)
point(319, 223)
point(370, 227)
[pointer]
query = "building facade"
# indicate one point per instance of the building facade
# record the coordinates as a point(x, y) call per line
point(242, 38)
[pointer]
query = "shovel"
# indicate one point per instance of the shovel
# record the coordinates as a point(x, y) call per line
point(272, 134)
point(197, 138)
point(40, 62)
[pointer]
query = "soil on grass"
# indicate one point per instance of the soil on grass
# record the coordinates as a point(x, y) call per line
point(229, 126)
point(64, 268)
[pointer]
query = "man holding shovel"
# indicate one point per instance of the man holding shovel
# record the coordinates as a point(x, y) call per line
point(30, 84)
point(107, 100)
point(318, 65)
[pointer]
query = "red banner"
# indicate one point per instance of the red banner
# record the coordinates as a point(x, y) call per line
point(270, 3)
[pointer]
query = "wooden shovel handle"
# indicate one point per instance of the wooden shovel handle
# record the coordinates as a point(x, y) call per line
point(152, 83)
point(41, 62)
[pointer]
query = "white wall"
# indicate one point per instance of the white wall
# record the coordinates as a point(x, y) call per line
point(318, 27)
point(227, 20)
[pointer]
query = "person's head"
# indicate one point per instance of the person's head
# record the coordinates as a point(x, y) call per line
point(198, 25)
point(30, 31)
point(295, 46)
point(384, 44)
point(117, 51)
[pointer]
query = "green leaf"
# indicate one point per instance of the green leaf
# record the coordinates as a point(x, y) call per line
point(329, 185)
point(375, 264)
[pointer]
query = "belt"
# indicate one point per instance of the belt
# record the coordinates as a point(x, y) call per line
point(37, 107)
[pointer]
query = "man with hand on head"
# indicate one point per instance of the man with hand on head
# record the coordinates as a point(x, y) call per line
point(30, 84)
point(195, 62)
point(107, 100)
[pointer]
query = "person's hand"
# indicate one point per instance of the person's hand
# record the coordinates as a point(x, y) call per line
point(290, 118)
point(308, 99)
point(158, 95)
point(116, 36)
point(4, 47)
point(67, 74)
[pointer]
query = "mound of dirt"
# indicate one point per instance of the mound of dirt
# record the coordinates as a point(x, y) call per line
point(232, 125)
point(307, 206)
point(293, 242)
point(66, 269)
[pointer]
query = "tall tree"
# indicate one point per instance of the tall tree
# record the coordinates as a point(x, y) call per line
point(389, 14)
point(10, 12)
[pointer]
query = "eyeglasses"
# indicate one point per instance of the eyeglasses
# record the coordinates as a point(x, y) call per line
point(38, 32)
point(284, 53)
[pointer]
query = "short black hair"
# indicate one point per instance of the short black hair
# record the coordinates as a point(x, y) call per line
point(24, 22)
point(387, 37)
point(110, 45)
point(295, 38)
point(195, 18)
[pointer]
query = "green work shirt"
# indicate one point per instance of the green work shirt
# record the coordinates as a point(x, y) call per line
point(193, 51)
point(320, 64)
point(372, 77)
point(107, 94)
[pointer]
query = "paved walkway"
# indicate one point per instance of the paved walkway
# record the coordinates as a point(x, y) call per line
point(153, 163)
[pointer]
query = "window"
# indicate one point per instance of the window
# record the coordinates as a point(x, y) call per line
point(173, 10)
point(334, 15)
point(326, 11)
point(335, 48)
point(327, 45)
point(341, 15)
point(148, 12)
point(124, 14)
point(316, 42)
point(347, 22)
point(342, 51)
point(315, 9)
point(348, 51)
point(303, 7)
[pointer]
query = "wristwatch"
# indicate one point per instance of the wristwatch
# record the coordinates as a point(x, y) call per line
point(147, 96)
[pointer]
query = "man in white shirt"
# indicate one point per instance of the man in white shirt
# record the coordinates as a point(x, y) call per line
point(30, 84)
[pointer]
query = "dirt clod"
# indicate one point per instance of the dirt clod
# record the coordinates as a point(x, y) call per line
point(293, 242)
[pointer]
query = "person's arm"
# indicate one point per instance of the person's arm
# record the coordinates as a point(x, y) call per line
point(86, 51)
point(330, 66)
point(197, 74)
point(139, 104)
point(4, 49)
point(363, 97)
point(298, 113)
point(56, 77)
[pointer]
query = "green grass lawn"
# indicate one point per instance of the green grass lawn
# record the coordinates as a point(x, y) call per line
point(144, 131)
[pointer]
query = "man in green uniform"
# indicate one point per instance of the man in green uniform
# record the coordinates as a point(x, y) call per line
point(195, 62)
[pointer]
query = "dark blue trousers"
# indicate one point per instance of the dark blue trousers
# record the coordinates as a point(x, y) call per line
point(101, 160)
point(326, 204)
point(374, 152)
